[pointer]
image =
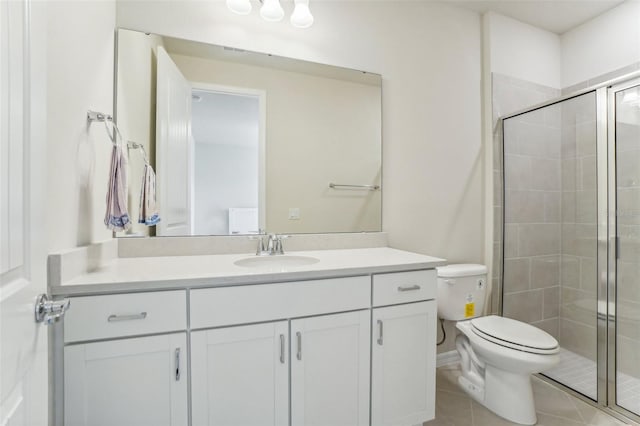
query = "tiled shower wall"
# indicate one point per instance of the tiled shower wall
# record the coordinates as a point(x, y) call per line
point(538, 208)
point(550, 276)
point(533, 217)
point(579, 275)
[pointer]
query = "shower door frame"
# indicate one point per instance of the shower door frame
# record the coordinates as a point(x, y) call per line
point(614, 241)
point(607, 238)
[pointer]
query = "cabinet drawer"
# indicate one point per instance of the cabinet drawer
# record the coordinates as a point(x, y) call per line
point(215, 307)
point(403, 287)
point(103, 317)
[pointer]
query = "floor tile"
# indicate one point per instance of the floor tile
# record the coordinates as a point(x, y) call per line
point(554, 407)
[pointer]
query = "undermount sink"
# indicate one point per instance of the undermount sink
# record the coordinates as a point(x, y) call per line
point(276, 262)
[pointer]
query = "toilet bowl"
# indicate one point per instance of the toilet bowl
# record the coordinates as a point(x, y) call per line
point(498, 355)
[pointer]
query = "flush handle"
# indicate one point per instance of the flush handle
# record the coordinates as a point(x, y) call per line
point(380, 332)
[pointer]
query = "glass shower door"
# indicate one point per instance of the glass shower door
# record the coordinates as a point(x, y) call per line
point(626, 133)
point(550, 277)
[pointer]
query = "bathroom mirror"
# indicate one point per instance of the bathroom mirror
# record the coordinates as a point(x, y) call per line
point(244, 142)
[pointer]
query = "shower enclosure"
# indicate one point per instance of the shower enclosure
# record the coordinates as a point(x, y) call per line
point(571, 236)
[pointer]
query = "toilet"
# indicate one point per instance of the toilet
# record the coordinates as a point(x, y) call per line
point(498, 354)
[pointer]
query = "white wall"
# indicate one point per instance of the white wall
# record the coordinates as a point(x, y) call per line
point(429, 57)
point(523, 51)
point(80, 42)
point(607, 43)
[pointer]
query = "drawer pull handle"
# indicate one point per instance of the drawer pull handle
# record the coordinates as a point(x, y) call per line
point(299, 338)
point(381, 331)
point(177, 364)
point(116, 318)
point(409, 288)
point(282, 348)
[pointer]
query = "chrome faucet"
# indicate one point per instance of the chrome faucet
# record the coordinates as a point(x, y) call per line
point(270, 245)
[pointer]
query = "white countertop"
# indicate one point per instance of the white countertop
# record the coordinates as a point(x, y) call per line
point(171, 272)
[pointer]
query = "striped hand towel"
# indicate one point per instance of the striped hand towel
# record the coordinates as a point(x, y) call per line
point(117, 217)
point(148, 210)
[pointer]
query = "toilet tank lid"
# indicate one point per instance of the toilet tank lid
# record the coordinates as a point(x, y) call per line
point(461, 270)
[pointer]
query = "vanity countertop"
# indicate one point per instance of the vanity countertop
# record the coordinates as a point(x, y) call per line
point(173, 272)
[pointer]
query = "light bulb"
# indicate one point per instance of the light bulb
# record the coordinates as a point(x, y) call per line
point(301, 16)
point(272, 11)
point(241, 7)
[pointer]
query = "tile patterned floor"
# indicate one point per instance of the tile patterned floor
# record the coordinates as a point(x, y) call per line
point(577, 372)
point(580, 374)
point(554, 407)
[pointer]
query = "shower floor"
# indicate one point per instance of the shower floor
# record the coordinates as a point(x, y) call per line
point(580, 374)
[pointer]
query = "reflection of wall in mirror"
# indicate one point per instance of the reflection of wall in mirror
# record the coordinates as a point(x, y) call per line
point(136, 94)
point(307, 147)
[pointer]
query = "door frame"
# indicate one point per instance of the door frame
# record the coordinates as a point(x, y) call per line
point(262, 137)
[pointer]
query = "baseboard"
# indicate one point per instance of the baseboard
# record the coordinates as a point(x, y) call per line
point(446, 358)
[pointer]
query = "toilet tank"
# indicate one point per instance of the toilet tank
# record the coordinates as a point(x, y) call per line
point(462, 291)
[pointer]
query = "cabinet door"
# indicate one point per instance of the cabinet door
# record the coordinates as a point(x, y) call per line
point(330, 370)
point(128, 382)
point(240, 375)
point(403, 364)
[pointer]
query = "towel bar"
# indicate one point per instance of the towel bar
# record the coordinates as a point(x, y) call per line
point(367, 187)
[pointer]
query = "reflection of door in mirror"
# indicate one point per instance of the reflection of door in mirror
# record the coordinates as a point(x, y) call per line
point(226, 128)
point(174, 159)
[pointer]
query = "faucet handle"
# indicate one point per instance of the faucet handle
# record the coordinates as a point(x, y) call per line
point(261, 246)
point(278, 247)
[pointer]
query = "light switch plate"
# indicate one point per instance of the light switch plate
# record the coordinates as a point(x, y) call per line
point(294, 213)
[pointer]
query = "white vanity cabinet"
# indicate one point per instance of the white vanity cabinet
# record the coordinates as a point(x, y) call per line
point(403, 351)
point(240, 375)
point(330, 369)
point(126, 380)
point(352, 351)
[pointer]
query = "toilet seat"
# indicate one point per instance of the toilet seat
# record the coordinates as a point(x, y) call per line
point(514, 334)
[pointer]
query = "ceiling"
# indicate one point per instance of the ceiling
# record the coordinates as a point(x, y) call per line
point(558, 16)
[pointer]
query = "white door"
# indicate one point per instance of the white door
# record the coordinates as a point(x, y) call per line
point(127, 382)
point(23, 342)
point(330, 370)
point(403, 364)
point(240, 375)
point(174, 149)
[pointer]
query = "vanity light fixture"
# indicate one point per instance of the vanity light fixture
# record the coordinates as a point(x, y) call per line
point(272, 11)
point(241, 7)
point(301, 16)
